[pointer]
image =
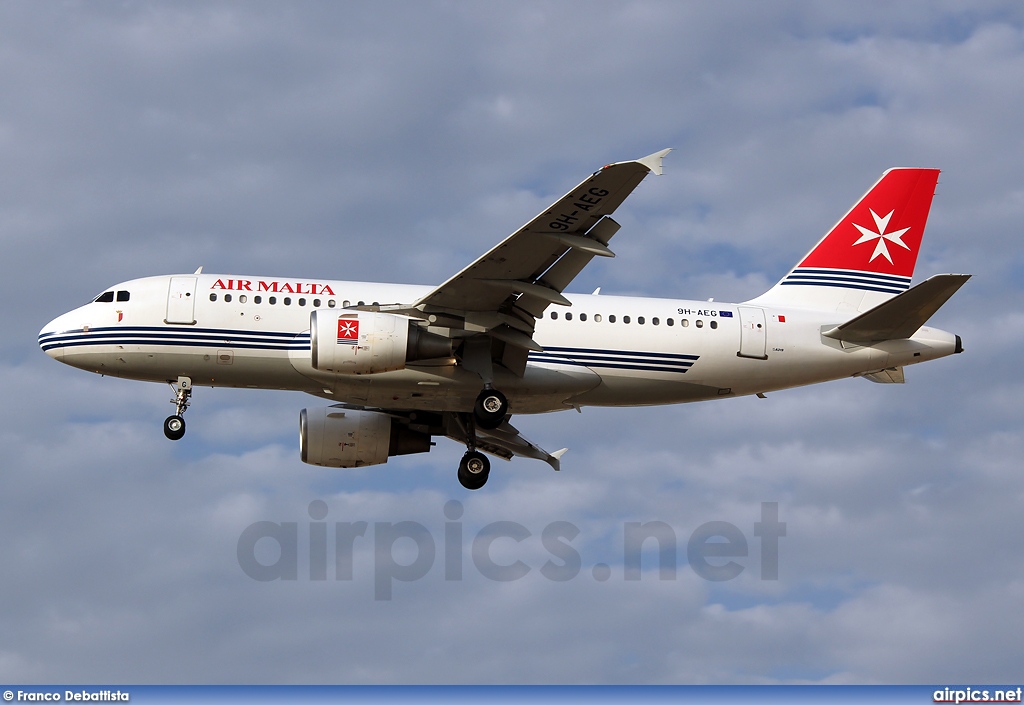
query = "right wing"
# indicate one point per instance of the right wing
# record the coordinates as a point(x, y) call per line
point(526, 271)
point(497, 299)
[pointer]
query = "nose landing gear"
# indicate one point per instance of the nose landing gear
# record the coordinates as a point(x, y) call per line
point(174, 426)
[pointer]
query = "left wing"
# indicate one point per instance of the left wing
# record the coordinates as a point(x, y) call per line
point(505, 441)
point(502, 293)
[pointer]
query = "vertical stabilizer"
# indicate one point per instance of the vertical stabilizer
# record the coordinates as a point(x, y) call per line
point(870, 254)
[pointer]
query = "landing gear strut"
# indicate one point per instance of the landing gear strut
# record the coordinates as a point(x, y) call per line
point(489, 412)
point(174, 426)
point(474, 466)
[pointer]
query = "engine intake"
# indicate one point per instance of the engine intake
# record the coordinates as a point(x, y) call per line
point(336, 437)
point(366, 342)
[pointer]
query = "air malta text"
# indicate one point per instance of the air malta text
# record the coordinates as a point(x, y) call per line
point(274, 287)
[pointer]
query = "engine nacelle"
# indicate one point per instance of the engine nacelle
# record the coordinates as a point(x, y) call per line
point(365, 342)
point(336, 437)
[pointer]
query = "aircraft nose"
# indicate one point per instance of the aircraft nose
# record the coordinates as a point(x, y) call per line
point(48, 340)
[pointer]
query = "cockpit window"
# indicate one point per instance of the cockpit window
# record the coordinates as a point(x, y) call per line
point(105, 298)
point(123, 296)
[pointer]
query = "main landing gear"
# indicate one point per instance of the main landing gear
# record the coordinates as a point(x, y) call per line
point(490, 409)
point(174, 426)
point(489, 412)
point(474, 469)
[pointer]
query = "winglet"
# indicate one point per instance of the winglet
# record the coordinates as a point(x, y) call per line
point(554, 458)
point(653, 161)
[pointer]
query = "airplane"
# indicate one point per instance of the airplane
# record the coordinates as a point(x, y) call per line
point(402, 364)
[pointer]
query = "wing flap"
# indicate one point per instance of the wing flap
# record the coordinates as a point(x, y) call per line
point(571, 263)
point(901, 316)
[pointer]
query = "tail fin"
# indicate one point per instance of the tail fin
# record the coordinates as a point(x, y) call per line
point(869, 255)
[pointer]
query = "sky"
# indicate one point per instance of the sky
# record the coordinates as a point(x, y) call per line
point(399, 141)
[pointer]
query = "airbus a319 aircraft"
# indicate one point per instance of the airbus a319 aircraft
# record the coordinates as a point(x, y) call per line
point(402, 364)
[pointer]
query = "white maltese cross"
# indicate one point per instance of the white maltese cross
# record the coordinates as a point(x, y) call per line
point(881, 236)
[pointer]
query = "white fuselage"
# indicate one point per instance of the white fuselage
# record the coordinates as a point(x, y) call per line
point(238, 331)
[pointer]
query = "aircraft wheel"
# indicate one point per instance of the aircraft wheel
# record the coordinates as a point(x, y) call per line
point(490, 409)
point(473, 470)
point(174, 427)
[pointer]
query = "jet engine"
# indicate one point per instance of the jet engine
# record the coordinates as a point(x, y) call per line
point(336, 437)
point(365, 342)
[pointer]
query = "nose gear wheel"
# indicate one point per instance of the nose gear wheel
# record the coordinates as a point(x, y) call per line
point(174, 426)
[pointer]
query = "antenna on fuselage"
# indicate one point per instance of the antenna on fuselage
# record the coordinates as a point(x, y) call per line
point(199, 271)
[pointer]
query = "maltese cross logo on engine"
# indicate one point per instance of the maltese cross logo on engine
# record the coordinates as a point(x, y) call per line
point(348, 331)
point(881, 223)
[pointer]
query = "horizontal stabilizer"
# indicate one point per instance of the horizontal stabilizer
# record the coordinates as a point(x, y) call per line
point(901, 316)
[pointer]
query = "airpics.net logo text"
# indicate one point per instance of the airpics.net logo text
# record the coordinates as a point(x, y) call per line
point(715, 550)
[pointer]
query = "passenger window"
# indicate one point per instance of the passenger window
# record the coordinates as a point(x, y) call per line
point(287, 301)
point(597, 317)
point(684, 323)
point(272, 300)
point(123, 296)
point(669, 321)
point(714, 324)
point(213, 297)
point(302, 302)
point(568, 316)
point(700, 323)
point(554, 315)
point(640, 320)
point(611, 318)
point(242, 298)
point(316, 303)
point(257, 299)
point(330, 303)
point(655, 321)
point(346, 303)
point(625, 319)
point(227, 298)
point(361, 303)
point(105, 298)
point(583, 316)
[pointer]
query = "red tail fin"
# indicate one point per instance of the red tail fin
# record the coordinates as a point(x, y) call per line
point(873, 248)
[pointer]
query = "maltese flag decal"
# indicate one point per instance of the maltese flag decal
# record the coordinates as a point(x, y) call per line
point(348, 331)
